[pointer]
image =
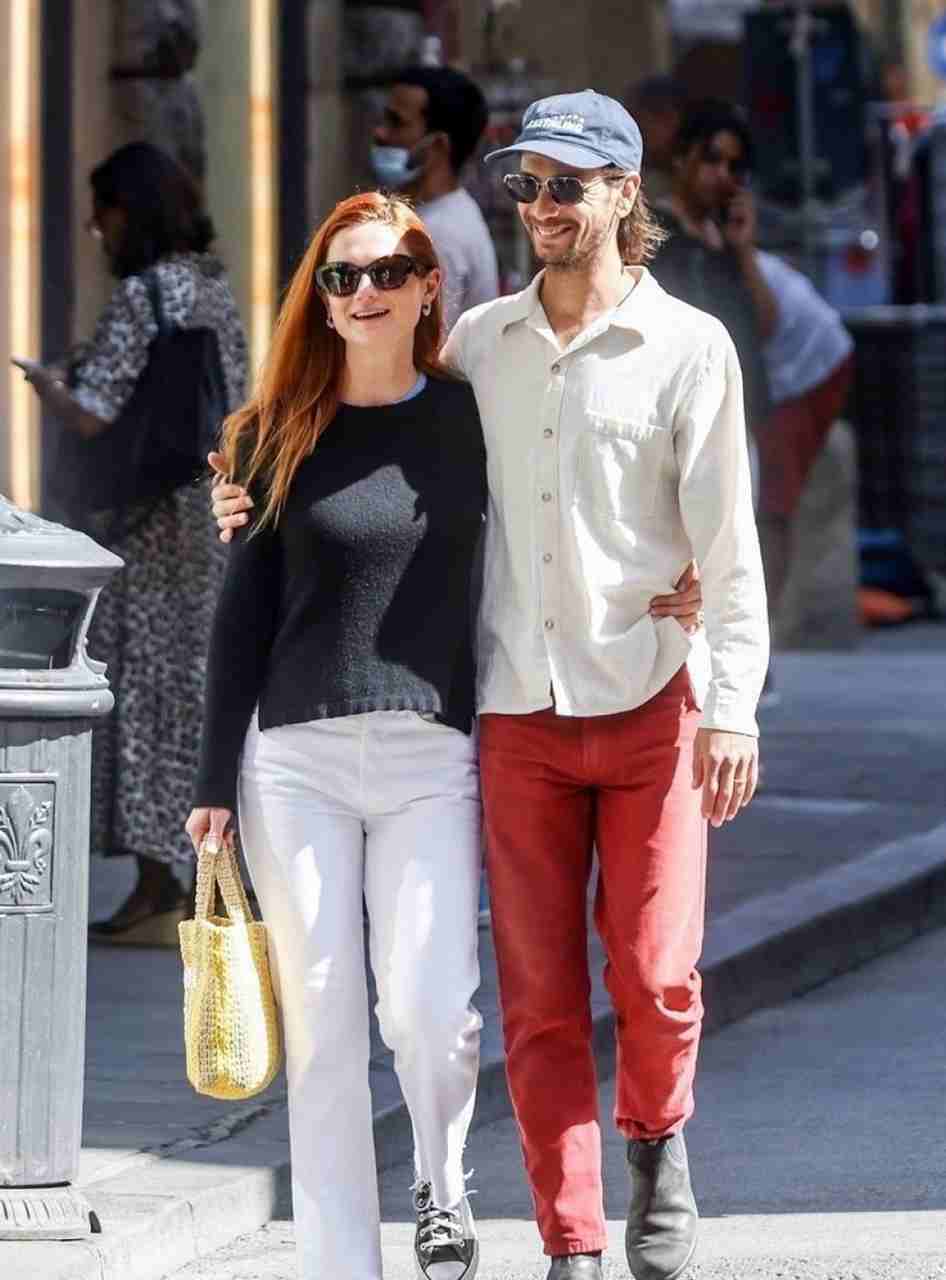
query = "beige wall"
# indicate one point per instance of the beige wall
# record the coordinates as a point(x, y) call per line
point(223, 79)
point(93, 138)
point(238, 208)
point(20, 232)
point(5, 352)
point(917, 15)
point(602, 44)
point(94, 135)
point(871, 13)
point(329, 166)
point(908, 21)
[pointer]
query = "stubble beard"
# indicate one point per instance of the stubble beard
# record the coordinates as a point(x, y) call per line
point(580, 257)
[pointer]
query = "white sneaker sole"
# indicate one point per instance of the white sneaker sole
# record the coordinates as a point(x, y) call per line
point(420, 1274)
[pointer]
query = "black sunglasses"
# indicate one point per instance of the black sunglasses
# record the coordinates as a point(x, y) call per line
point(563, 188)
point(341, 279)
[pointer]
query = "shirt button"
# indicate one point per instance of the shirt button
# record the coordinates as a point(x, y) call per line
point(548, 433)
point(547, 558)
point(546, 497)
point(549, 624)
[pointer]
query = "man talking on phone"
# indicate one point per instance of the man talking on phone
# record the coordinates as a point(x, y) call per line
point(710, 258)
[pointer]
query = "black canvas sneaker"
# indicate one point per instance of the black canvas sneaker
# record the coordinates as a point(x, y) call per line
point(445, 1243)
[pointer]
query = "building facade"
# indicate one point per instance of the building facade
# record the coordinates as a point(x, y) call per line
point(269, 102)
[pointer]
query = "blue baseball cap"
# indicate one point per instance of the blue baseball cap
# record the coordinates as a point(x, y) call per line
point(586, 130)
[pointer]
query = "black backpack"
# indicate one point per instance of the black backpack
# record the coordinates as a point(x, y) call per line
point(161, 438)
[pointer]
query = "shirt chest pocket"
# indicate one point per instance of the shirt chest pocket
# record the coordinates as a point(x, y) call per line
point(618, 466)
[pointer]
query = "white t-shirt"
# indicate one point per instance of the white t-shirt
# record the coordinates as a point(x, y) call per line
point(465, 248)
point(810, 340)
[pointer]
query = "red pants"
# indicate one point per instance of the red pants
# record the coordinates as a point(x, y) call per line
point(555, 788)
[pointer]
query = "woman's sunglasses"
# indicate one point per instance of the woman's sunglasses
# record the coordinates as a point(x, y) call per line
point(563, 188)
point(341, 279)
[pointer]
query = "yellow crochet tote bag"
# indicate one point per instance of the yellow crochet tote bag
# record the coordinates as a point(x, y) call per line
point(231, 1025)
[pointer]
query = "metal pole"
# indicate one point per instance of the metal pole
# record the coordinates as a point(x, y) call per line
point(802, 32)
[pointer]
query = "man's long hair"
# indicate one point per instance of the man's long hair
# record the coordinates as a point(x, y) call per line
point(640, 234)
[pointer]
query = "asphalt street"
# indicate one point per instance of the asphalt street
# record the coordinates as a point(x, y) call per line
point(817, 1149)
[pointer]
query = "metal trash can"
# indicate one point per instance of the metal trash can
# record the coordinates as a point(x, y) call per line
point(898, 410)
point(50, 694)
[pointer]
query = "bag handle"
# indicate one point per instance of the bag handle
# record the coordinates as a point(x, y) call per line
point(220, 867)
point(157, 306)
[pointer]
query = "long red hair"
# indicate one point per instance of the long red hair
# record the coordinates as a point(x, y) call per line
point(298, 391)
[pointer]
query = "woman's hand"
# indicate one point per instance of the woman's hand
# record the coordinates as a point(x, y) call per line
point(32, 370)
point(686, 603)
point(57, 397)
point(230, 501)
point(210, 824)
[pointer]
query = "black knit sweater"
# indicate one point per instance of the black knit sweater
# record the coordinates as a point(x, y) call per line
point(360, 598)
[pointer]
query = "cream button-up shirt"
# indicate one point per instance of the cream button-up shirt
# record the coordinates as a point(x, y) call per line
point(612, 463)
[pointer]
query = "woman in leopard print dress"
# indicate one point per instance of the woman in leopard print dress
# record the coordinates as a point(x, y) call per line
point(152, 621)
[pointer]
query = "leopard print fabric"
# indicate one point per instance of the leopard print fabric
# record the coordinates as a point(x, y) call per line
point(151, 626)
point(152, 621)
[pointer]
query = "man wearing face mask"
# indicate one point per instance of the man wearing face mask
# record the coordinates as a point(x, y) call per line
point(433, 120)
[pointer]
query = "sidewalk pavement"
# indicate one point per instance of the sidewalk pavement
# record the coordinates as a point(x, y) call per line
point(842, 856)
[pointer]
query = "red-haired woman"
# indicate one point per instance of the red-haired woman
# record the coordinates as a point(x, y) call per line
point(340, 710)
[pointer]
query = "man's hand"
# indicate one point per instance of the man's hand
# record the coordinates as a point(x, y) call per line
point(230, 501)
point(726, 766)
point(739, 229)
point(686, 604)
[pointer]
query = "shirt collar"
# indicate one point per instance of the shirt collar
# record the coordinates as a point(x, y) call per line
point(525, 304)
point(636, 312)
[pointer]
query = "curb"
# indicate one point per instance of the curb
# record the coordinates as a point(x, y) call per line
point(200, 1193)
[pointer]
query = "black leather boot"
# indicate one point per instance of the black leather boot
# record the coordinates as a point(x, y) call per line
point(575, 1266)
point(662, 1217)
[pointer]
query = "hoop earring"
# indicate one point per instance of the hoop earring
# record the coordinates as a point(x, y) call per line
point(426, 308)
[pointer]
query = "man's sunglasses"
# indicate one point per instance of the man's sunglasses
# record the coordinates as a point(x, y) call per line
point(341, 279)
point(563, 188)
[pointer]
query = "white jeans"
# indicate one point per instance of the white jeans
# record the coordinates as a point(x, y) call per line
point(386, 805)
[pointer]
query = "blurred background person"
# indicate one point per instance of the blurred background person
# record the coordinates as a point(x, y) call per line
point(905, 122)
point(152, 621)
point(657, 103)
point(810, 364)
point(710, 258)
point(906, 117)
point(433, 121)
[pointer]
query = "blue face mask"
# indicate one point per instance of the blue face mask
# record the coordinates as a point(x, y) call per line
point(392, 166)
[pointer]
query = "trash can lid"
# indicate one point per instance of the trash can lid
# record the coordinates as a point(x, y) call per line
point(52, 554)
point(49, 579)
